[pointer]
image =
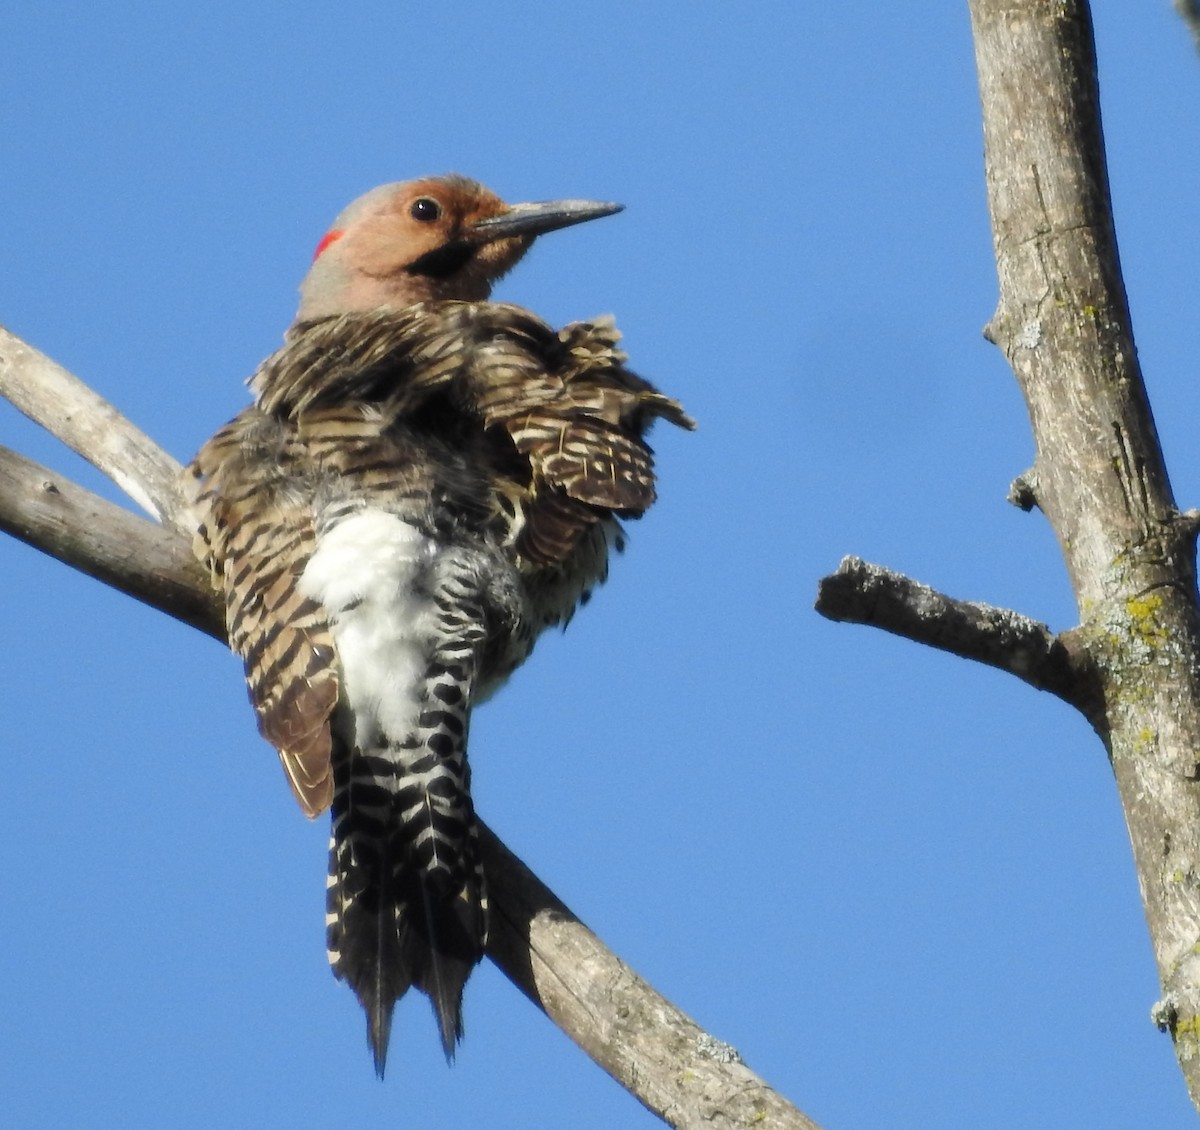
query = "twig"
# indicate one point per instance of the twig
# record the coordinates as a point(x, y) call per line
point(861, 593)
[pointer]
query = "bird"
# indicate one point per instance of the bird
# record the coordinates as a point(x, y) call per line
point(425, 481)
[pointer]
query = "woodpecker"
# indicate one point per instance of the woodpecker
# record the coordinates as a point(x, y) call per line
point(424, 482)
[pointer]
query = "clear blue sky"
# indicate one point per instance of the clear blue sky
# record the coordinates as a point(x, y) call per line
point(898, 883)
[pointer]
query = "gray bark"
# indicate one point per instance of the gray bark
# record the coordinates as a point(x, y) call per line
point(1132, 664)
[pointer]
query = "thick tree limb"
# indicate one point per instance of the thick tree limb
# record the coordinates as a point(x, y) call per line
point(861, 593)
point(1099, 477)
point(1063, 322)
point(683, 1074)
point(662, 1057)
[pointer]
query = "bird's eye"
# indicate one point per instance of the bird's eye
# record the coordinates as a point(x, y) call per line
point(426, 210)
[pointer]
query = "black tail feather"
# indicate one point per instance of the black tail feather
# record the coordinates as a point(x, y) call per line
point(407, 898)
point(447, 944)
point(384, 937)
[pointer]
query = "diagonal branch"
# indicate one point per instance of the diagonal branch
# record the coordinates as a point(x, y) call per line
point(667, 1061)
point(657, 1053)
point(140, 559)
point(90, 426)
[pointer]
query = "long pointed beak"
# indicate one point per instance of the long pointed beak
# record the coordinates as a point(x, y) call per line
point(536, 219)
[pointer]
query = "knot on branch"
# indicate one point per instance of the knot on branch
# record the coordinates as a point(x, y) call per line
point(1022, 492)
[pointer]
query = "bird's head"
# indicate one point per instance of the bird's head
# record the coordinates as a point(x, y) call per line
point(429, 239)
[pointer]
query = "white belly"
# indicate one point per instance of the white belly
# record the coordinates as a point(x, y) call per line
point(368, 573)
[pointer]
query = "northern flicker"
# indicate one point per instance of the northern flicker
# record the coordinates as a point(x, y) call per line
point(425, 481)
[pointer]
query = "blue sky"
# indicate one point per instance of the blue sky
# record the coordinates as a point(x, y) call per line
point(898, 883)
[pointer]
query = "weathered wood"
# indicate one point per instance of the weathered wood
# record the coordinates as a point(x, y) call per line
point(862, 593)
point(1132, 665)
point(684, 1075)
point(90, 426)
point(1063, 323)
point(145, 561)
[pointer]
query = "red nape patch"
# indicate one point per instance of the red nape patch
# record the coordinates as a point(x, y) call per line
point(328, 238)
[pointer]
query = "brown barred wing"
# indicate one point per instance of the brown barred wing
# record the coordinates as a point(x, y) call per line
point(571, 411)
point(256, 539)
point(397, 358)
point(578, 416)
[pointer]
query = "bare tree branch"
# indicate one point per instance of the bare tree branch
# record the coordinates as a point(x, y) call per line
point(90, 426)
point(677, 1070)
point(1133, 664)
point(861, 593)
point(88, 532)
point(682, 1074)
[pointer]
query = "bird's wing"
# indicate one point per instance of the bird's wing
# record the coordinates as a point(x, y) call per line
point(256, 537)
point(567, 405)
point(578, 416)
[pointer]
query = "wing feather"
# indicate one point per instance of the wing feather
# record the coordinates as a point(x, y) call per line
point(255, 540)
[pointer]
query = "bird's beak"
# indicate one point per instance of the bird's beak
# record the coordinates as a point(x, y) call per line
point(536, 219)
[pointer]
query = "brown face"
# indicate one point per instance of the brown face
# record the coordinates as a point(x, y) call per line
point(433, 239)
point(421, 237)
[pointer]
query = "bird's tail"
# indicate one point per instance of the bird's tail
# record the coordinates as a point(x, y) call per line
point(406, 900)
